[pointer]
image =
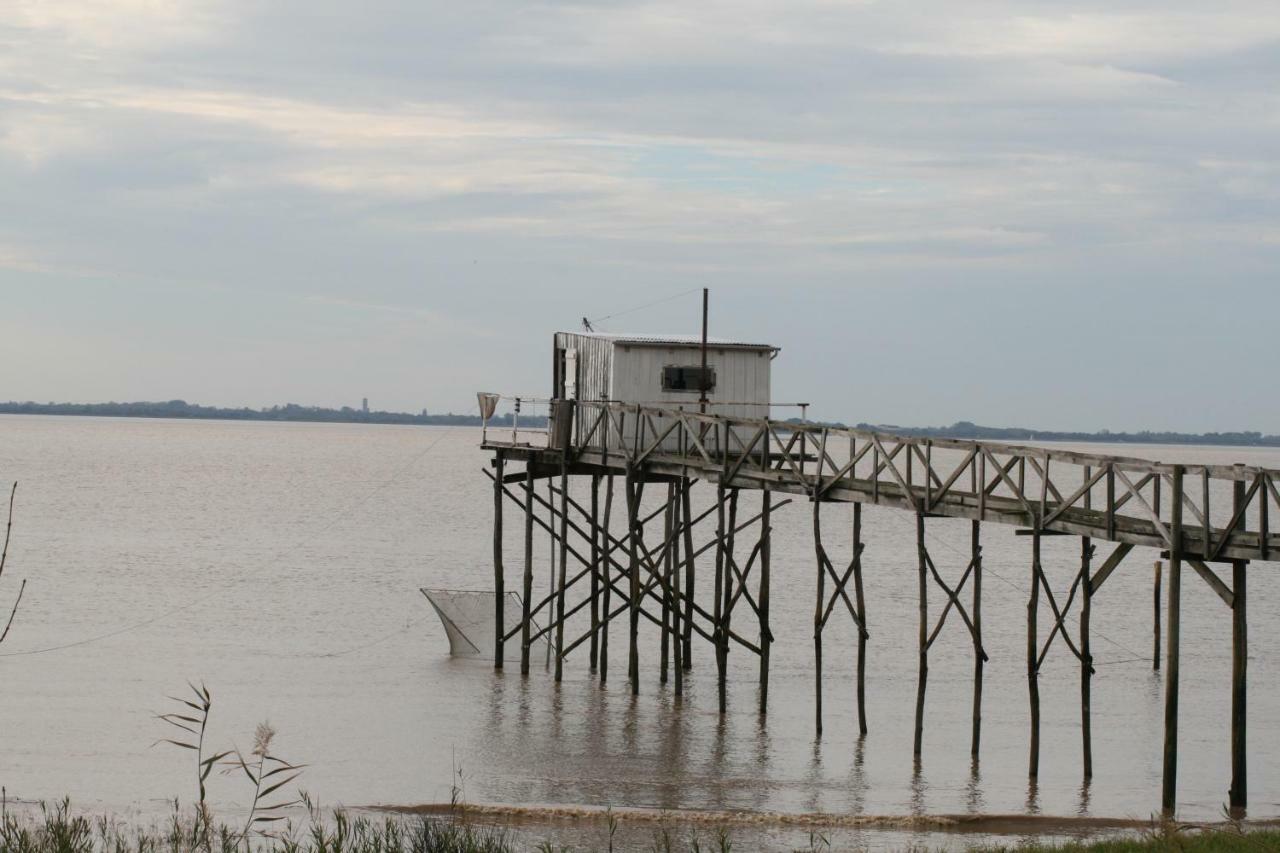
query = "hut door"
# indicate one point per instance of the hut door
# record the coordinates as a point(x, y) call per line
point(571, 374)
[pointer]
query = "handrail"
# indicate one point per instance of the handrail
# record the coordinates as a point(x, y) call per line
point(1035, 486)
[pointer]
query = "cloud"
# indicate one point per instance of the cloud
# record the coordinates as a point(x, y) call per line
point(450, 158)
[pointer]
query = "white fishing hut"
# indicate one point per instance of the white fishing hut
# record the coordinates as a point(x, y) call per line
point(663, 371)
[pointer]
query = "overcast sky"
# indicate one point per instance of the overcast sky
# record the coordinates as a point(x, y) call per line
point(1037, 213)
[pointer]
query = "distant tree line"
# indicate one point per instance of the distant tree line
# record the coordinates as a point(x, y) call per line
point(970, 430)
point(287, 412)
point(347, 414)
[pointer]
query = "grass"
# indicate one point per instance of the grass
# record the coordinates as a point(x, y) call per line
point(57, 829)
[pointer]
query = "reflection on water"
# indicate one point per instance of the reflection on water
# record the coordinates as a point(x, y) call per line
point(280, 562)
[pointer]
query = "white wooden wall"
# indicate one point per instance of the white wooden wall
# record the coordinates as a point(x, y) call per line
point(742, 376)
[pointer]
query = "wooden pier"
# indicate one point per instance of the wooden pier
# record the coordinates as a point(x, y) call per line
point(1208, 518)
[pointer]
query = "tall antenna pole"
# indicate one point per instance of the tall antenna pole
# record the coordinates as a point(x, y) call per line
point(702, 382)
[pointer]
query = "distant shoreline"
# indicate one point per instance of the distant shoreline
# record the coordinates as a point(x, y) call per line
point(291, 412)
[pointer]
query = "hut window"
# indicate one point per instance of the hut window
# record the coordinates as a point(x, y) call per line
point(676, 378)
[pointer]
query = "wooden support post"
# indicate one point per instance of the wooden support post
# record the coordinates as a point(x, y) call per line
point(1033, 669)
point(975, 541)
point(608, 587)
point(686, 514)
point(1169, 788)
point(1086, 657)
point(680, 612)
point(1239, 795)
point(1155, 617)
point(564, 559)
point(633, 528)
point(718, 604)
point(923, 673)
point(766, 635)
point(726, 612)
point(862, 619)
point(528, 570)
point(593, 653)
point(499, 580)
point(664, 667)
point(817, 613)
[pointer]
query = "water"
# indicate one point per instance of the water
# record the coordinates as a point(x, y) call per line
point(280, 563)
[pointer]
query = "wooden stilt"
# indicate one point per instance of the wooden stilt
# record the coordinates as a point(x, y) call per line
point(818, 614)
point(633, 527)
point(923, 673)
point(1086, 656)
point(499, 580)
point(686, 514)
point(1239, 670)
point(718, 603)
point(1169, 787)
point(551, 562)
point(726, 591)
point(766, 635)
point(1155, 618)
point(564, 559)
point(975, 547)
point(863, 636)
point(593, 652)
point(1239, 796)
point(668, 527)
point(1033, 668)
point(679, 612)
point(608, 587)
point(528, 571)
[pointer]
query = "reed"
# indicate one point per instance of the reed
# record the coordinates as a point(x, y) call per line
point(4, 558)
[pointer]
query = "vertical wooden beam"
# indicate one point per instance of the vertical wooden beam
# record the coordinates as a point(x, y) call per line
point(1033, 671)
point(594, 651)
point(1155, 616)
point(1169, 787)
point(528, 570)
point(1239, 669)
point(564, 559)
point(1086, 656)
point(766, 634)
point(861, 602)
point(718, 603)
point(726, 613)
point(817, 613)
point(633, 537)
point(608, 585)
point(664, 666)
point(923, 672)
point(680, 611)
point(686, 513)
point(499, 579)
point(975, 541)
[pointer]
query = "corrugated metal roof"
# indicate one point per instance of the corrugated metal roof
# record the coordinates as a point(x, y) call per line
point(670, 340)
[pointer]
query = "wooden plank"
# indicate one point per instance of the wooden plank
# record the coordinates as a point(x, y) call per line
point(1215, 583)
point(1108, 566)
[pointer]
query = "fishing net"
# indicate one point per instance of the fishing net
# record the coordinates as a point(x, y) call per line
point(468, 619)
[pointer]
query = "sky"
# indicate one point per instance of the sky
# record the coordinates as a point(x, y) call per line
point(1048, 214)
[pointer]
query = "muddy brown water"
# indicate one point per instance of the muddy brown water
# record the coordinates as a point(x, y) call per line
point(280, 563)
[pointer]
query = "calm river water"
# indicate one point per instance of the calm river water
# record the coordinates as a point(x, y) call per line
point(280, 565)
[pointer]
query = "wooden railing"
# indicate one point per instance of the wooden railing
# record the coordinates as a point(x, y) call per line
point(1223, 511)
